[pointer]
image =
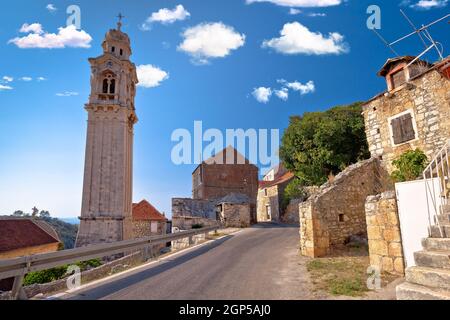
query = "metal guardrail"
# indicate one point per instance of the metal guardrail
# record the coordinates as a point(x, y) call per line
point(439, 168)
point(19, 267)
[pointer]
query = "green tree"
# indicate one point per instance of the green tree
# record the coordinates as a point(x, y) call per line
point(294, 190)
point(18, 213)
point(319, 144)
point(409, 166)
point(44, 214)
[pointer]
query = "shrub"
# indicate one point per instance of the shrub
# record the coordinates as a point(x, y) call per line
point(294, 190)
point(409, 166)
point(45, 276)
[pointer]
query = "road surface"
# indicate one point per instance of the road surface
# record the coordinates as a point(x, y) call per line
point(259, 263)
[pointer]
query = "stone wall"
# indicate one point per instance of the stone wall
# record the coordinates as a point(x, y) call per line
point(143, 228)
point(292, 212)
point(428, 97)
point(337, 211)
point(268, 197)
point(383, 230)
point(235, 215)
point(187, 212)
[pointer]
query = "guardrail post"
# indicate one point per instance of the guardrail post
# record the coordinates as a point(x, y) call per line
point(18, 293)
point(191, 240)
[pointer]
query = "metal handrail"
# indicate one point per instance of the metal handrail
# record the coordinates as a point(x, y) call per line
point(19, 267)
point(439, 168)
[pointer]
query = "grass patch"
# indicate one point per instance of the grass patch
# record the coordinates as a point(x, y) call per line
point(340, 276)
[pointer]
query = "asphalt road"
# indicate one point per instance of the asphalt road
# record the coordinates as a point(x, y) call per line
point(260, 263)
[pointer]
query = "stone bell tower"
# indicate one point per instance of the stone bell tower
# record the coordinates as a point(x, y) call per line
point(108, 174)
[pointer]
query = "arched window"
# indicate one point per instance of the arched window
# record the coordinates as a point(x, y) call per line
point(105, 86)
point(109, 85)
point(112, 86)
point(113, 49)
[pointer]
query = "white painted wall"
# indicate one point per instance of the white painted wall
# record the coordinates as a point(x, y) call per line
point(413, 214)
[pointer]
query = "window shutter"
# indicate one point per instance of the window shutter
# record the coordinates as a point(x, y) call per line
point(396, 130)
point(408, 132)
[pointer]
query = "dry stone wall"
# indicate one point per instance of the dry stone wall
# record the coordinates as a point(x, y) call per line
point(337, 211)
point(383, 230)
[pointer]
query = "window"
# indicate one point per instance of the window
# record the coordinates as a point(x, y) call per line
point(341, 218)
point(398, 78)
point(121, 52)
point(154, 227)
point(265, 192)
point(109, 85)
point(403, 128)
point(113, 49)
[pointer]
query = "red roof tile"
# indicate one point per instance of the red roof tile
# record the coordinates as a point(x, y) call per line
point(145, 211)
point(286, 177)
point(23, 233)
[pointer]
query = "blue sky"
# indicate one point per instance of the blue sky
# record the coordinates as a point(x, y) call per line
point(327, 57)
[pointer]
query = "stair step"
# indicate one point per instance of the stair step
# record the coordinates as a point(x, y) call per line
point(436, 244)
point(446, 208)
point(409, 291)
point(435, 233)
point(433, 259)
point(429, 277)
point(444, 219)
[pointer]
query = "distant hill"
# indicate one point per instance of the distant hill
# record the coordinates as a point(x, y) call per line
point(71, 220)
point(67, 232)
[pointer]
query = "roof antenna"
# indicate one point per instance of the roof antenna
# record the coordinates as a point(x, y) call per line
point(424, 36)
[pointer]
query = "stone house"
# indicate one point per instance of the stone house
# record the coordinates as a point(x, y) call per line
point(147, 220)
point(413, 113)
point(270, 194)
point(224, 187)
point(24, 237)
point(225, 173)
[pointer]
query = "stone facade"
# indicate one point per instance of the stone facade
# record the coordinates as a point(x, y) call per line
point(107, 191)
point(337, 211)
point(292, 212)
point(226, 173)
point(383, 231)
point(268, 204)
point(270, 194)
point(234, 215)
point(426, 97)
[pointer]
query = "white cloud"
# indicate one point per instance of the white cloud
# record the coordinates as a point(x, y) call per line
point(150, 76)
point(4, 88)
point(317, 14)
point(31, 28)
point(26, 79)
point(306, 88)
point(283, 94)
point(210, 40)
point(293, 11)
point(301, 3)
point(41, 79)
point(166, 16)
point(297, 39)
point(66, 37)
point(430, 4)
point(51, 7)
point(7, 79)
point(262, 94)
point(67, 94)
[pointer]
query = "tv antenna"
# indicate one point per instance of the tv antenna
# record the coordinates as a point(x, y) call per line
point(424, 35)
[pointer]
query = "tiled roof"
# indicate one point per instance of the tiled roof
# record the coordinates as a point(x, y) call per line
point(17, 233)
point(145, 211)
point(286, 177)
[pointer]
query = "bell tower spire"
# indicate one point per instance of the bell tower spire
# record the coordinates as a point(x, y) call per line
point(108, 175)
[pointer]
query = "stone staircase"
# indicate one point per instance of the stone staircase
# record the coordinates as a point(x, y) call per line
point(430, 279)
